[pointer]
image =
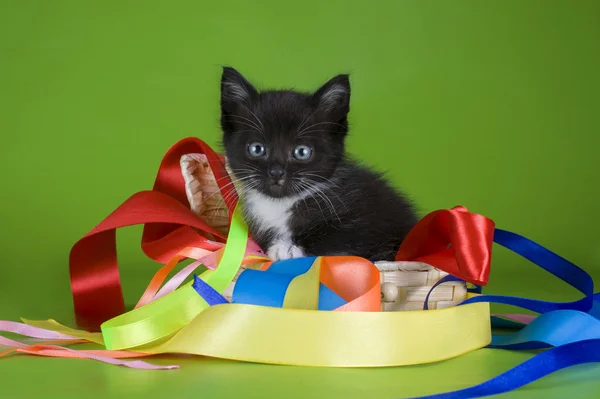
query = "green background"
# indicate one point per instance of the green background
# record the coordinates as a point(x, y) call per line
point(490, 104)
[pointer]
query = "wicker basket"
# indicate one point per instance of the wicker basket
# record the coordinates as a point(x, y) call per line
point(404, 285)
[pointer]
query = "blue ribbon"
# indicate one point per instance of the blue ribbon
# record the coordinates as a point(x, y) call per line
point(556, 328)
point(531, 370)
point(268, 287)
point(445, 279)
point(551, 262)
point(570, 329)
point(208, 293)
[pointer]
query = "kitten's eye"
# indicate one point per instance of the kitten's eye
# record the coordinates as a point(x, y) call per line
point(256, 150)
point(303, 153)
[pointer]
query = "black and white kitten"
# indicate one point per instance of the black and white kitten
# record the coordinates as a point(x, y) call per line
point(301, 194)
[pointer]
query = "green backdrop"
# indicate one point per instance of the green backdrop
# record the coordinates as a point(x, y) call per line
point(493, 105)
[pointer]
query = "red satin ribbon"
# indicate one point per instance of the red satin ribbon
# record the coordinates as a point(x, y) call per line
point(169, 227)
point(453, 240)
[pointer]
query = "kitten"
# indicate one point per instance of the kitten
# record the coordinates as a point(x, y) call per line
point(301, 194)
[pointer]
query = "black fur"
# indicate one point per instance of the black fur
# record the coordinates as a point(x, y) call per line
point(356, 211)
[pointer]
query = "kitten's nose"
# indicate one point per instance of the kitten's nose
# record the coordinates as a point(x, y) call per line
point(276, 172)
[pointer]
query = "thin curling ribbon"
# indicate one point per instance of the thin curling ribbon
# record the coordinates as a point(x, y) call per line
point(52, 348)
point(210, 261)
point(169, 227)
point(453, 240)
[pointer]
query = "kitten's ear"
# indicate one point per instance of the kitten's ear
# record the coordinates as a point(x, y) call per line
point(235, 90)
point(333, 98)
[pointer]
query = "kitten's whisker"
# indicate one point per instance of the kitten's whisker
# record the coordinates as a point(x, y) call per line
point(246, 188)
point(256, 117)
point(322, 195)
point(239, 173)
point(297, 188)
point(307, 188)
point(255, 128)
point(252, 167)
point(320, 177)
point(337, 196)
point(329, 189)
point(317, 124)
point(229, 176)
point(258, 127)
point(314, 131)
point(251, 131)
point(326, 188)
point(332, 207)
point(239, 179)
point(230, 195)
point(306, 120)
point(231, 183)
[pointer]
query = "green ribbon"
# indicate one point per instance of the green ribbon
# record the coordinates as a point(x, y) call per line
point(160, 319)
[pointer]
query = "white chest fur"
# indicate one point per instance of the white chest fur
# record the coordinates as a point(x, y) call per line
point(273, 214)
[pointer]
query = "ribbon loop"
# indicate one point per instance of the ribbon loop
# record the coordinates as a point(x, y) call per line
point(169, 227)
point(453, 240)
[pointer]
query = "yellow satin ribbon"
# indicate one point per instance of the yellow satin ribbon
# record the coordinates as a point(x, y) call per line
point(297, 334)
point(330, 339)
point(303, 291)
point(53, 325)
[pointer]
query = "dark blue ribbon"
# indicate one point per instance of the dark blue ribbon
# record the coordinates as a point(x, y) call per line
point(531, 370)
point(208, 293)
point(445, 279)
point(549, 261)
point(570, 329)
point(269, 287)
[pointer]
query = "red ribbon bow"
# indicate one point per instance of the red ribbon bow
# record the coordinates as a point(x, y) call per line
point(453, 240)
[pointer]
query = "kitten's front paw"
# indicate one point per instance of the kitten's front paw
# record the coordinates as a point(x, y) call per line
point(284, 250)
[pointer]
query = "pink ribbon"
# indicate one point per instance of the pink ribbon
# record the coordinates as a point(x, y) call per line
point(61, 351)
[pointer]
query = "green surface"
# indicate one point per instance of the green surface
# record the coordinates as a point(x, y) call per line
point(493, 105)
